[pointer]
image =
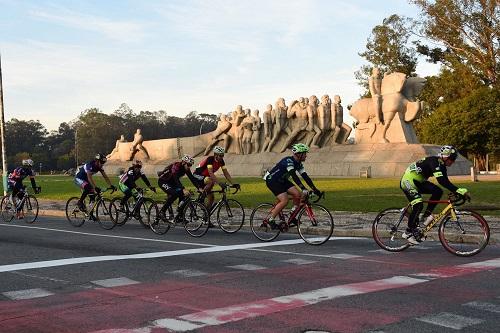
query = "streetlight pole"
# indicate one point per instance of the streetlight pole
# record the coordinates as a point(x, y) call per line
point(76, 148)
point(2, 135)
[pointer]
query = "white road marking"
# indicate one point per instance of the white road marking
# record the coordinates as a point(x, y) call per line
point(485, 306)
point(450, 320)
point(344, 256)
point(247, 267)
point(27, 294)
point(188, 272)
point(299, 261)
point(115, 282)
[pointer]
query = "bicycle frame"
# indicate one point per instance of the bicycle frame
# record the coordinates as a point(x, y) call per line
point(437, 218)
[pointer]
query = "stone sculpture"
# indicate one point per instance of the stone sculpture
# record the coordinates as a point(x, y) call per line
point(338, 118)
point(137, 145)
point(220, 134)
point(298, 111)
point(325, 117)
point(255, 140)
point(117, 146)
point(312, 127)
point(280, 122)
point(268, 119)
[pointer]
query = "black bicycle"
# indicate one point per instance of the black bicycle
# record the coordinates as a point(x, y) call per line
point(135, 208)
point(94, 208)
point(25, 208)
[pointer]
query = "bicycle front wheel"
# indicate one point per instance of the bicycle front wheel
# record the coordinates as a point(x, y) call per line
point(118, 213)
point(230, 216)
point(315, 224)
point(465, 237)
point(73, 214)
point(195, 219)
point(157, 220)
point(388, 228)
point(144, 211)
point(103, 214)
point(7, 209)
point(30, 209)
point(260, 225)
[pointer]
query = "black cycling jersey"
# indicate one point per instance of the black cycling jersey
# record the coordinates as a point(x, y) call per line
point(428, 167)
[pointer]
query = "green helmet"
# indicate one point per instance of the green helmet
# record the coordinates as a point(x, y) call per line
point(300, 148)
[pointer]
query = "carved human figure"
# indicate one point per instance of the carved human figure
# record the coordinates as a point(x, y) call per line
point(375, 85)
point(236, 132)
point(256, 129)
point(297, 110)
point(117, 144)
point(220, 134)
point(325, 116)
point(268, 119)
point(312, 116)
point(338, 118)
point(280, 122)
point(137, 145)
point(247, 130)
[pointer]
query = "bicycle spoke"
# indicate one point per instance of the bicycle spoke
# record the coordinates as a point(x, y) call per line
point(388, 228)
point(195, 219)
point(7, 209)
point(73, 213)
point(259, 223)
point(30, 209)
point(230, 216)
point(315, 224)
point(103, 214)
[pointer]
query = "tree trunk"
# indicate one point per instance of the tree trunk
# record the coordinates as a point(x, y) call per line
point(480, 162)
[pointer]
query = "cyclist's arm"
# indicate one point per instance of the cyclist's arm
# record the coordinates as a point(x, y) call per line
point(297, 181)
point(211, 173)
point(442, 178)
point(308, 181)
point(103, 173)
point(227, 175)
point(33, 182)
point(145, 180)
point(91, 179)
point(193, 180)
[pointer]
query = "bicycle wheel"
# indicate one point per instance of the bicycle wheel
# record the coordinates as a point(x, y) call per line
point(7, 209)
point(143, 211)
point(195, 219)
point(259, 225)
point(103, 214)
point(465, 237)
point(315, 224)
point(30, 209)
point(74, 215)
point(119, 214)
point(157, 220)
point(388, 228)
point(230, 216)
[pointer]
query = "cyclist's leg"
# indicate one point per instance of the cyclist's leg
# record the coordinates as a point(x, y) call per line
point(127, 193)
point(429, 188)
point(280, 190)
point(171, 196)
point(209, 184)
point(296, 198)
point(415, 198)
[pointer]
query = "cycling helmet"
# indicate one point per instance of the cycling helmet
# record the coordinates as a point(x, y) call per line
point(188, 159)
point(219, 150)
point(300, 148)
point(28, 162)
point(101, 157)
point(137, 164)
point(448, 151)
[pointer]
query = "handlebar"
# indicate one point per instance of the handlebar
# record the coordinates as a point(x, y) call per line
point(458, 199)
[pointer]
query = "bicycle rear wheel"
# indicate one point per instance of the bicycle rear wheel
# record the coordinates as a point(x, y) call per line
point(74, 215)
point(103, 214)
point(260, 225)
point(195, 219)
point(118, 213)
point(7, 209)
point(143, 211)
point(30, 209)
point(388, 228)
point(157, 220)
point(465, 237)
point(230, 216)
point(315, 224)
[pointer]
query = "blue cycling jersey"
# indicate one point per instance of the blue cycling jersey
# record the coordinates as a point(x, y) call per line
point(88, 167)
point(283, 170)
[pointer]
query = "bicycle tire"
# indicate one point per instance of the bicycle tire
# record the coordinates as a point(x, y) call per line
point(195, 218)
point(467, 237)
point(7, 209)
point(259, 225)
point(230, 216)
point(315, 227)
point(30, 209)
point(143, 211)
point(388, 228)
point(157, 220)
point(117, 214)
point(103, 214)
point(73, 214)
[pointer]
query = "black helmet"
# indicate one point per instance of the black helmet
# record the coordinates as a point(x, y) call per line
point(448, 151)
point(101, 157)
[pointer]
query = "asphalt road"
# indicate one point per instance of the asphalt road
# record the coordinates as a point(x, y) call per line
point(57, 278)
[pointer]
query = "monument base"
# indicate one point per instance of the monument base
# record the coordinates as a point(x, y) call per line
point(371, 160)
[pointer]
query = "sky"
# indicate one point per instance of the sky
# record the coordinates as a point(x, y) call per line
point(60, 58)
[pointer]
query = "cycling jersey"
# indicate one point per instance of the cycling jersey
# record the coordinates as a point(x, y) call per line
point(20, 173)
point(88, 167)
point(128, 178)
point(209, 163)
point(172, 173)
point(425, 168)
point(285, 168)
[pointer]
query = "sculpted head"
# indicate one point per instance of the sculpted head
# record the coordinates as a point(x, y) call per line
point(280, 103)
point(269, 108)
point(336, 99)
point(325, 99)
point(255, 113)
point(313, 100)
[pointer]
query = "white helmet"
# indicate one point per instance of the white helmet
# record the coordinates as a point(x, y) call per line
point(219, 150)
point(28, 162)
point(188, 159)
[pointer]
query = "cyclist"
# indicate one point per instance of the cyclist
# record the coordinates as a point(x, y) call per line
point(169, 181)
point(277, 181)
point(205, 173)
point(415, 182)
point(15, 182)
point(127, 180)
point(84, 179)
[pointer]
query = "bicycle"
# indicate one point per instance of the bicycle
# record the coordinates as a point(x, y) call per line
point(461, 232)
point(230, 213)
point(314, 222)
point(139, 210)
point(191, 214)
point(99, 211)
point(27, 206)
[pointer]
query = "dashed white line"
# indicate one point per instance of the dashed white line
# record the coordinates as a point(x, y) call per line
point(450, 320)
point(27, 294)
point(248, 267)
point(299, 261)
point(484, 306)
point(344, 256)
point(188, 273)
point(114, 282)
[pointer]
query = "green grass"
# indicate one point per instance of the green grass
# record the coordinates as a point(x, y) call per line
point(342, 194)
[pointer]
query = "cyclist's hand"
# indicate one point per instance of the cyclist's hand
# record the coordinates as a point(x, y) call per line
point(97, 189)
point(201, 189)
point(152, 188)
point(317, 192)
point(223, 185)
point(305, 192)
point(113, 188)
point(467, 196)
point(237, 186)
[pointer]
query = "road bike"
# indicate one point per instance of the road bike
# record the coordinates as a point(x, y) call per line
point(94, 208)
point(313, 221)
point(462, 232)
point(25, 208)
point(137, 207)
point(190, 214)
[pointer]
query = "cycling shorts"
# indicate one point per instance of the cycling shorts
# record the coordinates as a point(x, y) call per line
point(279, 187)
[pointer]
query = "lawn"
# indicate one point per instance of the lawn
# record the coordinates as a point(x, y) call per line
point(342, 194)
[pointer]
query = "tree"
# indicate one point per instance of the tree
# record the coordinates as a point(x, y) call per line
point(388, 49)
point(472, 124)
point(467, 30)
point(24, 138)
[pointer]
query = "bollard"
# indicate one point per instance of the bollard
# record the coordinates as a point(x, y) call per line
point(473, 174)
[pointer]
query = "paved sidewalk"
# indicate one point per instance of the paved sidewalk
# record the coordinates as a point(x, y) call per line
point(346, 223)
